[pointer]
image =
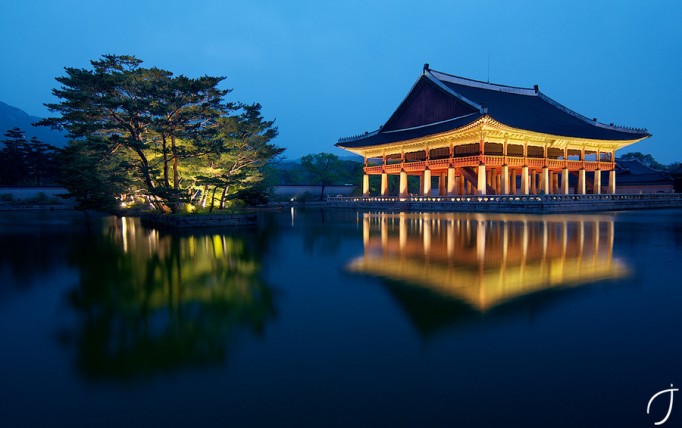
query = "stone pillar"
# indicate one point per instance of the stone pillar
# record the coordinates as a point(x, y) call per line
point(544, 184)
point(403, 184)
point(524, 180)
point(512, 184)
point(564, 181)
point(597, 182)
point(481, 179)
point(452, 182)
point(365, 185)
point(384, 184)
point(504, 180)
point(426, 190)
point(581, 182)
point(612, 182)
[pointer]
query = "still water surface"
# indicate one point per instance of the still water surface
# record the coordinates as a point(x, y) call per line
point(340, 318)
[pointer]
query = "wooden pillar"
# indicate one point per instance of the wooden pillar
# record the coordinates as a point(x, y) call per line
point(462, 185)
point(441, 185)
point(581, 182)
point(533, 183)
point(544, 184)
point(597, 182)
point(403, 184)
point(452, 181)
point(481, 189)
point(504, 180)
point(612, 182)
point(384, 184)
point(564, 181)
point(524, 180)
point(426, 190)
point(365, 185)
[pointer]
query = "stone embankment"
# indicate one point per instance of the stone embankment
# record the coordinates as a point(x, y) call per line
point(530, 204)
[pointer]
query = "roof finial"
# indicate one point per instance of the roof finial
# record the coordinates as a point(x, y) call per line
point(537, 88)
point(426, 66)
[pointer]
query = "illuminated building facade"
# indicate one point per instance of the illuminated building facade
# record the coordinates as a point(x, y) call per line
point(463, 136)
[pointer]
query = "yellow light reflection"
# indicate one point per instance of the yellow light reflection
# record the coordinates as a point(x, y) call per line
point(486, 260)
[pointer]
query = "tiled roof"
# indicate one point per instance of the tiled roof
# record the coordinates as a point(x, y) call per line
point(523, 108)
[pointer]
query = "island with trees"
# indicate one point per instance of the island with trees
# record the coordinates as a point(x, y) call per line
point(144, 137)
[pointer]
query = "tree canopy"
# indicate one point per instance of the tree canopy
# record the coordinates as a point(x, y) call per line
point(322, 167)
point(145, 134)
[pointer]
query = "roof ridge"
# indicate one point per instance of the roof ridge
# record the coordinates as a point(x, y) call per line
point(436, 81)
point(480, 84)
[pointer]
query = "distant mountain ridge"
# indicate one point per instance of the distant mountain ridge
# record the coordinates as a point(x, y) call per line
point(13, 117)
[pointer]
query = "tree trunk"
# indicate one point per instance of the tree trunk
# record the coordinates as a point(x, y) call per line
point(161, 205)
point(176, 183)
point(322, 192)
point(215, 188)
point(165, 162)
point(203, 197)
point(222, 198)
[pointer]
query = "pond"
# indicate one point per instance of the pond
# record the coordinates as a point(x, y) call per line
point(341, 318)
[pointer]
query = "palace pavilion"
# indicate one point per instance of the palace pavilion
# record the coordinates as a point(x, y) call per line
point(474, 137)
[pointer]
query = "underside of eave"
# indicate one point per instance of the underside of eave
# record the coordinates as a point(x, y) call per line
point(487, 124)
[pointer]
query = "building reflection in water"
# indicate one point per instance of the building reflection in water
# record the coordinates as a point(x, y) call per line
point(485, 260)
point(150, 303)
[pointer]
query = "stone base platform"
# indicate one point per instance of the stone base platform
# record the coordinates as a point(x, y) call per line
point(529, 204)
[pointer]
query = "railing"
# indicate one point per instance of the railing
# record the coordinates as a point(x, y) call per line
point(439, 163)
point(393, 168)
point(555, 163)
point(535, 162)
point(493, 160)
point(373, 169)
point(414, 166)
point(515, 161)
point(471, 161)
point(676, 197)
point(466, 161)
point(574, 164)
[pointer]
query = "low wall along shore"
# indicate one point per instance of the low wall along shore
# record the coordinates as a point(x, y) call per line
point(532, 204)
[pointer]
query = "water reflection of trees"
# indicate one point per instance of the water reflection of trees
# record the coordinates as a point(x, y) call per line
point(32, 245)
point(462, 265)
point(318, 235)
point(151, 303)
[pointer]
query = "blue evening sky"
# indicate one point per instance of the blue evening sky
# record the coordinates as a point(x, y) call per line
point(326, 70)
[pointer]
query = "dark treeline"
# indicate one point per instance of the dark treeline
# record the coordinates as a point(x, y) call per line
point(27, 162)
point(649, 161)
